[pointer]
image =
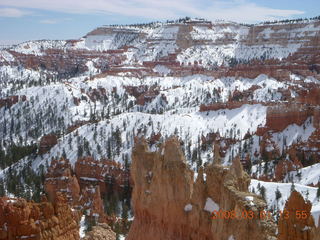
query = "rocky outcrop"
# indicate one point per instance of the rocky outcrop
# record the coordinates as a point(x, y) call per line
point(268, 148)
point(65, 62)
point(20, 219)
point(76, 125)
point(296, 222)
point(168, 204)
point(60, 178)
point(316, 118)
point(218, 106)
point(143, 93)
point(91, 202)
point(96, 94)
point(8, 102)
point(101, 231)
point(47, 142)
point(282, 168)
point(95, 172)
point(84, 195)
point(281, 116)
point(315, 232)
point(310, 95)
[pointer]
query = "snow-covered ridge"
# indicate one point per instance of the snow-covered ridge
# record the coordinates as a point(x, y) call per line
point(37, 47)
point(308, 175)
point(214, 43)
point(309, 193)
point(5, 56)
point(188, 126)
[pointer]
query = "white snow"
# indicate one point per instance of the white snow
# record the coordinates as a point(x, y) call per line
point(38, 47)
point(295, 77)
point(293, 134)
point(188, 207)
point(218, 31)
point(99, 42)
point(309, 193)
point(5, 56)
point(312, 80)
point(242, 120)
point(211, 206)
point(122, 237)
point(162, 69)
point(315, 211)
point(219, 54)
point(82, 226)
point(309, 175)
point(91, 68)
point(250, 199)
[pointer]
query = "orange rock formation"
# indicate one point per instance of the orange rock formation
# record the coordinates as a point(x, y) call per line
point(60, 179)
point(100, 232)
point(299, 224)
point(83, 195)
point(47, 142)
point(169, 204)
point(20, 219)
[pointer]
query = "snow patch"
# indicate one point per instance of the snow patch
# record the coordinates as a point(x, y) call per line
point(188, 208)
point(82, 226)
point(162, 69)
point(231, 238)
point(211, 206)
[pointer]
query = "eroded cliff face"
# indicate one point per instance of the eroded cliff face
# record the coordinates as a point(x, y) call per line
point(60, 179)
point(169, 204)
point(94, 172)
point(85, 196)
point(20, 219)
point(296, 222)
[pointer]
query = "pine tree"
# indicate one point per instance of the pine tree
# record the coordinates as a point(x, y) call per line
point(199, 161)
point(278, 196)
point(2, 191)
point(124, 214)
point(64, 155)
point(194, 155)
point(99, 149)
point(109, 154)
point(263, 192)
point(292, 187)
point(89, 222)
point(80, 151)
point(318, 193)
point(70, 142)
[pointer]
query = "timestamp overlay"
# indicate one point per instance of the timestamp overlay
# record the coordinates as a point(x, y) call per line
point(262, 215)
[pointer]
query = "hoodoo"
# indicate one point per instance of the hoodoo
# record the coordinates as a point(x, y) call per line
point(169, 204)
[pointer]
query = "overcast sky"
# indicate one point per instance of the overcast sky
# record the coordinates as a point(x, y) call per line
point(22, 20)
